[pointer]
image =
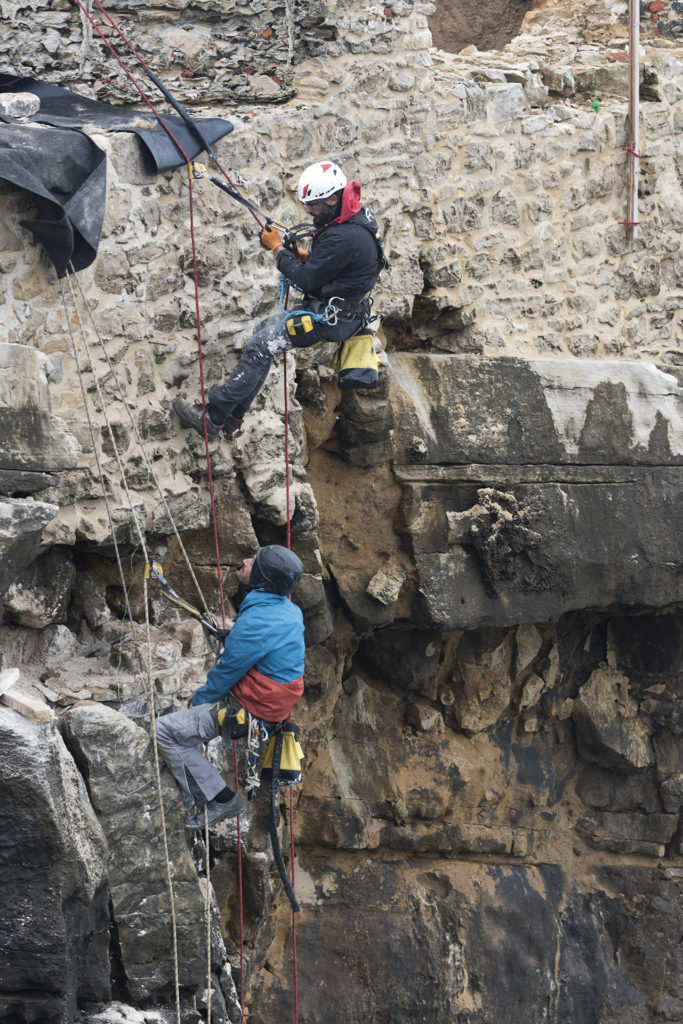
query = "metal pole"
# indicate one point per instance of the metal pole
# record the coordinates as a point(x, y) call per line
point(633, 148)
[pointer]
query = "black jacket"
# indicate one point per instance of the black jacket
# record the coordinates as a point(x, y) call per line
point(344, 260)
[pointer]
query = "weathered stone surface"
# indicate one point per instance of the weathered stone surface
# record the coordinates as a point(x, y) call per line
point(608, 728)
point(385, 585)
point(501, 222)
point(34, 439)
point(54, 917)
point(19, 104)
point(482, 690)
point(559, 948)
point(518, 411)
point(17, 484)
point(116, 758)
point(524, 552)
point(21, 525)
point(644, 834)
point(406, 659)
point(40, 595)
point(365, 612)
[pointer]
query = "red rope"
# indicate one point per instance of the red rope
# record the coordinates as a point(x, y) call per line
point(203, 394)
point(138, 57)
point(289, 525)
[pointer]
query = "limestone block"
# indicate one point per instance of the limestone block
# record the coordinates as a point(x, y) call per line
point(508, 103)
point(425, 718)
point(608, 728)
point(21, 524)
point(90, 599)
point(645, 834)
point(120, 1013)
point(19, 104)
point(533, 688)
point(311, 598)
point(116, 757)
point(366, 613)
point(54, 919)
point(8, 678)
point(571, 416)
point(185, 511)
point(40, 594)
point(528, 641)
point(34, 439)
point(27, 701)
point(482, 678)
point(386, 584)
point(165, 653)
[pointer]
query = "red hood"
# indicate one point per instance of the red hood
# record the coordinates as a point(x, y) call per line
point(350, 202)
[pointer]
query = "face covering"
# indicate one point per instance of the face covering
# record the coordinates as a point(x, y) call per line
point(327, 213)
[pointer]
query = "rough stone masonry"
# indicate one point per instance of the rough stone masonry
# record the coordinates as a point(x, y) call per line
point(489, 822)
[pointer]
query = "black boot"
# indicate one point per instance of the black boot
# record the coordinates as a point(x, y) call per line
point(193, 417)
point(216, 812)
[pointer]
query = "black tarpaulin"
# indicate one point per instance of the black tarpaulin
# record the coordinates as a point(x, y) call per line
point(63, 108)
point(65, 172)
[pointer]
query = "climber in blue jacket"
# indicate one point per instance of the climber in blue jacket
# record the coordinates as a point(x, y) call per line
point(261, 670)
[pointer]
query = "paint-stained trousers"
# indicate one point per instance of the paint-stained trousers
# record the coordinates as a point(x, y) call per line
point(271, 338)
point(179, 736)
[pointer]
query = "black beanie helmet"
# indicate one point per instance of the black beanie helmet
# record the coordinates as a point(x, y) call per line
point(276, 570)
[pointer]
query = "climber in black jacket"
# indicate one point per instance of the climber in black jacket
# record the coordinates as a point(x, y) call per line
point(336, 279)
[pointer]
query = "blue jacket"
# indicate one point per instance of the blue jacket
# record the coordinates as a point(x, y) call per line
point(268, 635)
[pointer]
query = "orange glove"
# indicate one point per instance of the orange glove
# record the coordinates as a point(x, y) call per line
point(270, 238)
point(302, 254)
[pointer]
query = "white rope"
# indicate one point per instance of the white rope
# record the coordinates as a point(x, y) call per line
point(148, 464)
point(147, 680)
point(103, 407)
point(157, 767)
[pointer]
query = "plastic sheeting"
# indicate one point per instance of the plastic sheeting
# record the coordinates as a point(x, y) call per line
point(63, 170)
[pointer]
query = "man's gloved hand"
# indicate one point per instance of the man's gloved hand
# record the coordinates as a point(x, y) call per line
point(270, 238)
point(291, 246)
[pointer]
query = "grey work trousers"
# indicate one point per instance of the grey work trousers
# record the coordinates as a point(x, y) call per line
point(179, 736)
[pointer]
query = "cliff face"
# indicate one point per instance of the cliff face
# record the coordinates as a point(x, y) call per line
point(488, 827)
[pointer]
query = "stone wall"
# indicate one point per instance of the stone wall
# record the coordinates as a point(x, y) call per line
point(492, 713)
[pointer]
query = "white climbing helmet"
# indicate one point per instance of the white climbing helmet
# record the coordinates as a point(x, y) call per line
point(320, 181)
